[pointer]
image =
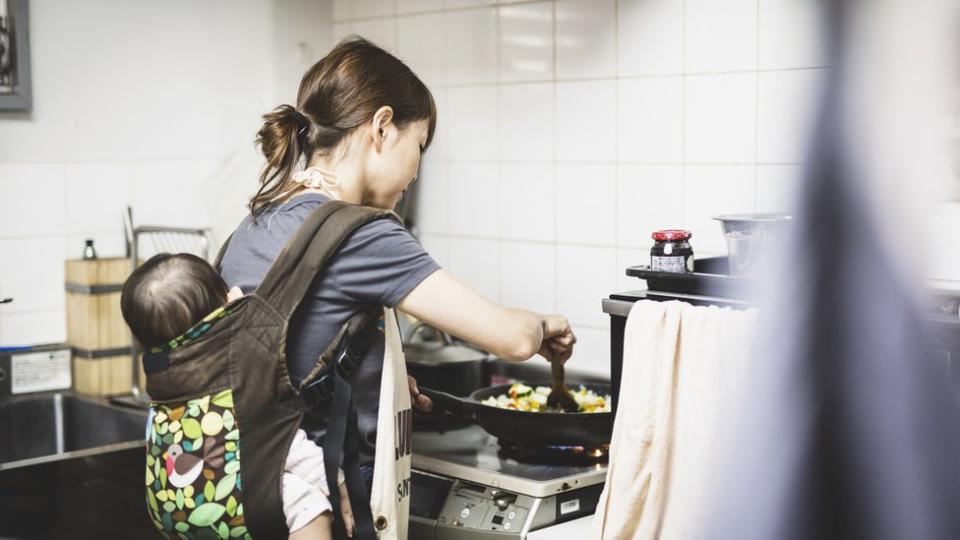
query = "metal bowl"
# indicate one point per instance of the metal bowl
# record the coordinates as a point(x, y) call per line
point(749, 238)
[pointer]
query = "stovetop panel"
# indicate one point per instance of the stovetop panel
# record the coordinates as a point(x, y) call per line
point(472, 454)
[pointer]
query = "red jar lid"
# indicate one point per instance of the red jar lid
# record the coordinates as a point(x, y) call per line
point(671, 235)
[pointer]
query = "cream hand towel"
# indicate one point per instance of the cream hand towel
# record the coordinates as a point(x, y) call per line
point(682, 370)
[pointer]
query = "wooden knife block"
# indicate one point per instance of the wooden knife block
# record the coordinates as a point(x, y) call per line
point(96, 330)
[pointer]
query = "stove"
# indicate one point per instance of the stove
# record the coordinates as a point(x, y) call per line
point(466, 485)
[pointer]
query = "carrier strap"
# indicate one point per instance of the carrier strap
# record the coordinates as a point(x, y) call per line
point(344, 353)
point(304, 256)
point(340, 448)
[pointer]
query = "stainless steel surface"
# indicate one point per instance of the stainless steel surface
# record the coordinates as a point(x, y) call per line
point(750, 237)
point(462, 490)
point(471, 454)
point(46, 427)
point(620, 308)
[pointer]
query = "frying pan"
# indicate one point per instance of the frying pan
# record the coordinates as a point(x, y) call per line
point(532, 428)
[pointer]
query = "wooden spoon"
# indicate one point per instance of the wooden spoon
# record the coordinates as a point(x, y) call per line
point(559, 394)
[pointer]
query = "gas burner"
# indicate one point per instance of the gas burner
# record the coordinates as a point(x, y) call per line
point(553, 454)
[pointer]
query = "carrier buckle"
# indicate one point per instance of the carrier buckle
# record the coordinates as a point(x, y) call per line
point(319, 391)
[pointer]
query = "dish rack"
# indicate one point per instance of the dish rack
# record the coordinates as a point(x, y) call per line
point(148, 240)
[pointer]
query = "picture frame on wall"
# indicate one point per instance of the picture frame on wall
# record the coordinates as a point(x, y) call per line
point(15, 90)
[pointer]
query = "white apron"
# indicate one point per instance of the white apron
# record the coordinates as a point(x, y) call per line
point(390, 494)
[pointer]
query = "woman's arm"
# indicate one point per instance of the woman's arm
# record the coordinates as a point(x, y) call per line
point(446, 303)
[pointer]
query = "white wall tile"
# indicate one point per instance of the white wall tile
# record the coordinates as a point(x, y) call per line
point(785, 108)
point(420, 45)
point(711, 190)
point(31, 271)
point(585, 275)
point(790, 34)
point(340, 31)
point(720, 36)
point(97, 196)
point(627, 257)
point(586, 121)
point(469, 3)
point(471, 46)
point(167, 194)
point(650, 119)
point(416, 6)
point(433, 195)
point(474, 199)
point(526, 42)
point(438, 246)
point(776, 187)
point(34, 328)
point(34, 200)
point(720, 116)
point(942, 264)
point(527, 276)
point(649, 198)
point(373, 8)
point(382, 32)
point(526, 122)
point(527, 201)
point(586, 39)
point(443, 133)
point(649, 37)
point(342, 9)
point(473, 122)
point(477, 263)
point(591, 354)
point(586, 204)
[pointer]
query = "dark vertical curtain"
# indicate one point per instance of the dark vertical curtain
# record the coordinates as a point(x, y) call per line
point(851, 432)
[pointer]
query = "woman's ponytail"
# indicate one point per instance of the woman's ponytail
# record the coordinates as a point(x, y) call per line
point(280, 141)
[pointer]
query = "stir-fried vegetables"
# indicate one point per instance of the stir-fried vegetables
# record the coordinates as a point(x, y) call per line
point(524, 398)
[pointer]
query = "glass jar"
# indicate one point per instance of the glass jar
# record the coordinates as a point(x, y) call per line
point(671, 251)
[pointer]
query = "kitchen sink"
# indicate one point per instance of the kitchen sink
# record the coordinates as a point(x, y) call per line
point(71, 467)
point(59, 425)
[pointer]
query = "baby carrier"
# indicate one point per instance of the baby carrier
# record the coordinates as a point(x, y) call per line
point(224, 386)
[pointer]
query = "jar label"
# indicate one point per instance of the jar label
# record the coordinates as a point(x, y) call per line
point(668, 264)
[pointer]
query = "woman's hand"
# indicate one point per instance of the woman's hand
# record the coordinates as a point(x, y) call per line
point(558, 338)
point(420, 401)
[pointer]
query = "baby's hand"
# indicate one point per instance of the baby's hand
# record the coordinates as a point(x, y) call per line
point(346, 512)
point(234, 293)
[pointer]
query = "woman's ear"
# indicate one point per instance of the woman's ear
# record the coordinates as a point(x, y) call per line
point(382, 125)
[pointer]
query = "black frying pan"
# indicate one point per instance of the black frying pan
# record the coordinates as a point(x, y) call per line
point(534, 428)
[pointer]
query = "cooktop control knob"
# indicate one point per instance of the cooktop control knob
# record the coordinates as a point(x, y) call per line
point(503, 500)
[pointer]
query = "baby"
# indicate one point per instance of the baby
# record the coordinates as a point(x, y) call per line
point(167, 296)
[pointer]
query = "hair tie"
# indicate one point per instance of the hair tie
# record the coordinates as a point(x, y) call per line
point(301, 120)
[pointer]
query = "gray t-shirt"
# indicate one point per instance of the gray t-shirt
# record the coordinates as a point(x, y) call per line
point(378, 264)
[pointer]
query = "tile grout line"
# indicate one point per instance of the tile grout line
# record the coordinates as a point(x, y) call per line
point(683, 116)
point(553, 180)
point(617, 117)
point(756, 119)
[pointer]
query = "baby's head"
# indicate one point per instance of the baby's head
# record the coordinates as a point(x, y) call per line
point(168, 294)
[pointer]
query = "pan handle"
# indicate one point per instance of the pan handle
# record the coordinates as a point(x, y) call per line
point(450, 402)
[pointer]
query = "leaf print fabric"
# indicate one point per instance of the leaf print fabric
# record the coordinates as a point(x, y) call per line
point(193, 469)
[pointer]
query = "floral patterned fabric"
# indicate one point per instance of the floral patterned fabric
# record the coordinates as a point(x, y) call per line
point(193, 469)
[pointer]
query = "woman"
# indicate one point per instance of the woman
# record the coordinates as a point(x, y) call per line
point(360, 125)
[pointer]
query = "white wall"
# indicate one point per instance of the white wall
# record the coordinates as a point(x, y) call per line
point(154, 104)
point(571, 129)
